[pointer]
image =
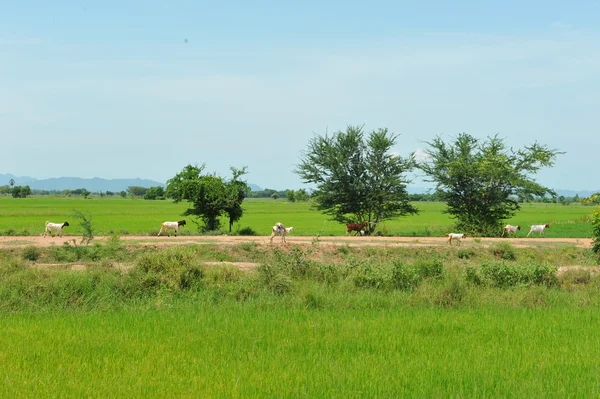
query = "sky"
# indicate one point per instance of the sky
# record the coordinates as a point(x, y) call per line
point(140, 89)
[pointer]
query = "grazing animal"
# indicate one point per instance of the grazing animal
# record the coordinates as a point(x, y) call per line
point(538, 228)
point(54, 227)
point(508, 229)
point(281, 230)
point(456, 236)
point(166, 226)
point(356, 227)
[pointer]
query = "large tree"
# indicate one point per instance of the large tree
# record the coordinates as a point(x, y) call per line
point(481, 180)
point(357, 177)
point(237, 190)
point(210, 195)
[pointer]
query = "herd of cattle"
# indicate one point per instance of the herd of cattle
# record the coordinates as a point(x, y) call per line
point(280, 230)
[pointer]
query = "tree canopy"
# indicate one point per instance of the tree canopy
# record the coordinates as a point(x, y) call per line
point(357, 178)
point(481, 180)
point(210, 195)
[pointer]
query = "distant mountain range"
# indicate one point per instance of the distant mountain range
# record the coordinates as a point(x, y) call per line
point(98, 184)
point(71, 183)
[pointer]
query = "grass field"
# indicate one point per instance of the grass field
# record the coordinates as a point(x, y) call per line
point(221, 351)
point(130, 216)
point(105, 320)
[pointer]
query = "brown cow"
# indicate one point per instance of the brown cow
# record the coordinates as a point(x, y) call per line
point(357, 227)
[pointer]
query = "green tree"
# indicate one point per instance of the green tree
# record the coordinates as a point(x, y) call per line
point(301, 195)
point(209, 195)
point(237, 190)
point(16, 191)
point(357, 177)
point(289, 194)
point(480, 181)
point(123, 194)
point(137, 191)
point(25, 191)
point(155, 193)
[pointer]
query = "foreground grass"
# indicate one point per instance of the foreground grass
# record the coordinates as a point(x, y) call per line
point(136, 216)
point(308, 321)
point(195, 350)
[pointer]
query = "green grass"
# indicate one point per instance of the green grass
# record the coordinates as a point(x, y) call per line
point(128, 216)
point(249, 351)
point(309, 321)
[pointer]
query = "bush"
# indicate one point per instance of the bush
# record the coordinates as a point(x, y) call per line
point(404, 277)
point(503, 250)
point(503, 275)
point(247, 231)
point(466, 253)
point(368, 276)
point(31, 253)
point(472, 276)
point(429, 268)
point(173, 269)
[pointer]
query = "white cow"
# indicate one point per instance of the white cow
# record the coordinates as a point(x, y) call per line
point(54, 227)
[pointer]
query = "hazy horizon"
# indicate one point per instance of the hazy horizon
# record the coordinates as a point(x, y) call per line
point(116, 90)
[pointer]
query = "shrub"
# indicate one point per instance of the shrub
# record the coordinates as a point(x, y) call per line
point(368, 276)
point(429, 268)
point(503, 250)
point(466, 253)
point(247, 231)
point(31, 253)
point(173, 269)
point(503, 275)
point(404, 277)
point(472, 276)
point(500, 275)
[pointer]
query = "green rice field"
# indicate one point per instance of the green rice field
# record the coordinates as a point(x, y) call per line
point(140, 217)
point(221, 351)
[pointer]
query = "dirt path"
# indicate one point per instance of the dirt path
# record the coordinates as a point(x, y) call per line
point(13, 241)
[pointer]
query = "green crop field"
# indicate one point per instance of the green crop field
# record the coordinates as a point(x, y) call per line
point(135, 216)
point(221, 351)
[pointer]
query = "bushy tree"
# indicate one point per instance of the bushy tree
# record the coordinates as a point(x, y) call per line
point(209, 195)
point(136, 191)
point(290, 195)
point(358, 178)
point(237, 190)
point(155, 193)
point(481, 180)
point(301, 195)
point(21, 191)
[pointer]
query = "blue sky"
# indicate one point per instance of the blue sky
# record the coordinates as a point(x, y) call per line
point(140, 89)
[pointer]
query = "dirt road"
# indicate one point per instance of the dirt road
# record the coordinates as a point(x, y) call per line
point(14, 241)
